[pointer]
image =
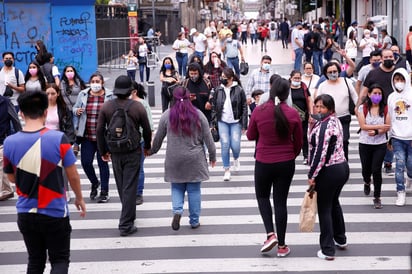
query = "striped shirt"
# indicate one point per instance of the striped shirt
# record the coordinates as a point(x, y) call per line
point(258, 80)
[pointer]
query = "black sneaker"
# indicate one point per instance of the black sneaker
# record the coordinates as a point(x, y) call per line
point(176, 222)
point(377, 204)
point(139, 199)
point(93, 192)
point(104, 197)
point(367, 188)
point(128, 232)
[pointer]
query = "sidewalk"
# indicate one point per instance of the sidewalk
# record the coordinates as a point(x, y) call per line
point(282, 64)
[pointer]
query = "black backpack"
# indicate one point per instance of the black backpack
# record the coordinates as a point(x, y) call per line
point(394, 41)
point(121, 134)
point(47, 69)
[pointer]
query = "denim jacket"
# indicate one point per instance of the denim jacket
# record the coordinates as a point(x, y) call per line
point(81, 102)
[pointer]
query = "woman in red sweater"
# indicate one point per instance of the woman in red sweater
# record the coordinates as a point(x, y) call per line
point(278, 131)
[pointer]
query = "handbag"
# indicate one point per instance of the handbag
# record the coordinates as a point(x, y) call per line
point(142, 59)
point(215, 132)
point(8, 92)
point(308, 210)
point(170, 89)
point(244, 68)
point(301, 113)
point(351, 103)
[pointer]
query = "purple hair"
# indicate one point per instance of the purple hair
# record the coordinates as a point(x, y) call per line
point(183, 115)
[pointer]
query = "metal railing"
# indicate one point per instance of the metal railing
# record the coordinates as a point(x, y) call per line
point(111, 50)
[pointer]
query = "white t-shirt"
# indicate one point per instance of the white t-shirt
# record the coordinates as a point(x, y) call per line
point(181, 45)
point(10, 77)
point(199, 41)
point(296, 33)
point(369, 46)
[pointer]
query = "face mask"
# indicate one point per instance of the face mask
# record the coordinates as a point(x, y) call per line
point(319, 116)
point(333, 76)
point(168, 66)
point(266, 66)
point(70, 75)
point(376, 64)
point(376, 98)
point(229, 40)
point(194, 78)
point(223, 81)
point(367, 36)
point(400, 86)
point(308, 74)
point(396, 55)
point(95, 87)
point(388, 63)
point(33, 71)
point(8, 63)
point(296, 83)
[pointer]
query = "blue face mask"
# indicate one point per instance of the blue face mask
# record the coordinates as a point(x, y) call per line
point(376, 64)
point(396, 55)
point(168, 66)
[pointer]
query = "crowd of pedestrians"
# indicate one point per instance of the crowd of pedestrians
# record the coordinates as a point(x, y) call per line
point(310, 113)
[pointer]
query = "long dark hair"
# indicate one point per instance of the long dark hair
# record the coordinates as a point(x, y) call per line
point(61, 104)
point(40, 75)
point(163, 69)
point(140, 92)
point(327, 101)
point(183, 116)
point(368, 100)
point(210, 66)
point(229, 73)
point(281, 89)
point(76, 77)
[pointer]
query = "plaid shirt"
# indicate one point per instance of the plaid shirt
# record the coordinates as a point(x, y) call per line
point(94, 104)
point(258, 80)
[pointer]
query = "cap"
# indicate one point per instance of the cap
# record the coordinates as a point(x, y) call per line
point(192, 31)
point(354, 23)
point(298, 24)
point(318, 26)
point(122, 85)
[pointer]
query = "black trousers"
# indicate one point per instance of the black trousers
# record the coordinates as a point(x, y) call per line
point(278, 175)
point(371, 157)
point(44, 235)
point(329, 184)
point(345, 121)
point(126, 168)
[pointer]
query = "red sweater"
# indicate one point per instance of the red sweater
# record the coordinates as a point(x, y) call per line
point(270, 148)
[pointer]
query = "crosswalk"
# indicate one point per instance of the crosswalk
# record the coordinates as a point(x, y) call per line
point(231, 231)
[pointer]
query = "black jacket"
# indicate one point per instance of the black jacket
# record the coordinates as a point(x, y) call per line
point(66, 123)
point(239, 105)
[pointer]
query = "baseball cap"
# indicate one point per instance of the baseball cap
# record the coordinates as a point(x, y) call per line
point(192, 31)
point(122, 85)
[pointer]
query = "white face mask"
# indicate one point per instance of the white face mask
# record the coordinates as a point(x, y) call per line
point(95, 87)
point(400, 86)
point(266, 66)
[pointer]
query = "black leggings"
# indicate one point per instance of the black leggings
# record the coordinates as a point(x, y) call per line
point(278, 175)
point(371, 157)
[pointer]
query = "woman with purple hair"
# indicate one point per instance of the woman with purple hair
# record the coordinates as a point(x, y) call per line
point(187, 131)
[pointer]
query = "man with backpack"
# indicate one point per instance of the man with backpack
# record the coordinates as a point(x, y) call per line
point(50, 70)
point(118, 139)
point(11, 79)
point(319, 41)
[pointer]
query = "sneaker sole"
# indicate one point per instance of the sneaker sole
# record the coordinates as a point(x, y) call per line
point(269, 247)
point(283, 254)
point(324, 257)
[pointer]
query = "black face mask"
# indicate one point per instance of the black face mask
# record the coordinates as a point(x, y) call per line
point(388, 63)
point(319, 116)
point(223, 81)
point(8, 63)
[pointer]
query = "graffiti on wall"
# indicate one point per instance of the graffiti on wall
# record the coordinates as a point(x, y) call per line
point(74, 36)
point(25, 25)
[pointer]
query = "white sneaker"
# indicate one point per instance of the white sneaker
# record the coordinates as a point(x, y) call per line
point(401, 200)
point(226, 177)
point(236, 165)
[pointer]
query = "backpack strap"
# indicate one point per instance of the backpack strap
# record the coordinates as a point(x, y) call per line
point(16, 73)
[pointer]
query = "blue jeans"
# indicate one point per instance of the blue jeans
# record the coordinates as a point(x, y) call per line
point(230, 135)
point(181, 59)
point(194, 199)
point(88, 150)
point(403, 157)
point(131, 73)
point(140, 182)
point(298, 59)
point(199, 54)
point(234, 64)
point(388, 157)
point(141, 72)
point(318, 62)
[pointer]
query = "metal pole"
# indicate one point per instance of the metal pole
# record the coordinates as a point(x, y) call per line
point(153, 15)
point(300, 10)
point(316, 10)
